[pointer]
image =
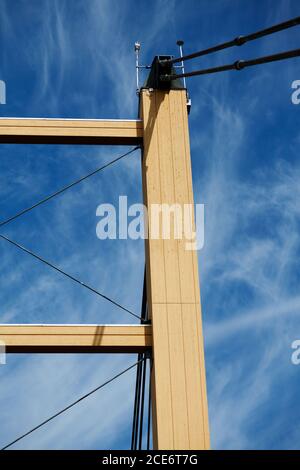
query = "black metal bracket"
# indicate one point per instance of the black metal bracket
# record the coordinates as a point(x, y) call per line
point(161, 67)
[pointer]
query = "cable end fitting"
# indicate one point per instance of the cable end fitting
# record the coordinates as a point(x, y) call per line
point(240, 40)
point(239, 64)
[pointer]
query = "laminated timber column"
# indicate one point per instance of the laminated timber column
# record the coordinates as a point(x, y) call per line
point(180, 412)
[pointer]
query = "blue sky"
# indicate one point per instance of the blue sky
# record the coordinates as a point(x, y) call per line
point(75, 59)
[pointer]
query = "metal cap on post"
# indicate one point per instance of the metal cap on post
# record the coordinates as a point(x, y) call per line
point(162, 75)
point(161, 67)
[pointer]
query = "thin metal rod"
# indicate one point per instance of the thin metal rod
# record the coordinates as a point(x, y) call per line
point(238, 65)
point(137, 48)
point(180, 44)
point(240, 40)
point(47, 263)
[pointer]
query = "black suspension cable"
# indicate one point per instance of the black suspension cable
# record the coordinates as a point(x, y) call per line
point(145, 312)
point(135, 424)
point(141, 424)
point(145, 319)
point(139, 400)
point(238, 65)
point(69, 276)
point(65, 188)
point(141, 403)
point(239, 41)
point(70, 406)
point(149, 403)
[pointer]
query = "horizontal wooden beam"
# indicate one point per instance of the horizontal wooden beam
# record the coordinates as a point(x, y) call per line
point(76, 338)
point(70, 131)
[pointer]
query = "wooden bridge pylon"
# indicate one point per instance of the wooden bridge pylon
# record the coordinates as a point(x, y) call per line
point(180, 412)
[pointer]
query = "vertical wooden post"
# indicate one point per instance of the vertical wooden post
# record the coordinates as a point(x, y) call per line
point(180, 411)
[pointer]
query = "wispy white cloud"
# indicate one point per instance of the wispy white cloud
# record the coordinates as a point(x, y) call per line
point(249, 263)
